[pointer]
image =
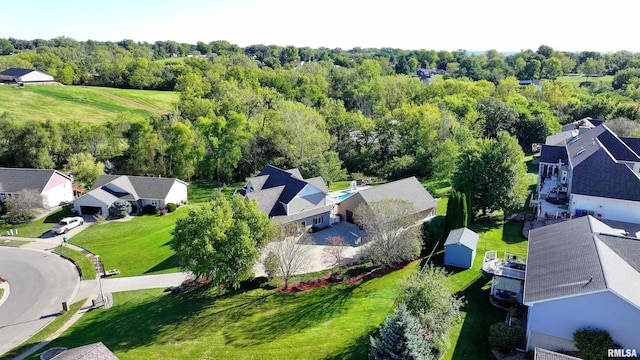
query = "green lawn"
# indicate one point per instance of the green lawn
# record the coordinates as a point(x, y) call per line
point(579, 78)
point(340, 185)
point(41, 226)
point(45, 332)
point(86, 266)
point(13, 243)
point(332, 322)
point(139, 246)
point(85, 104)
point(201, 191)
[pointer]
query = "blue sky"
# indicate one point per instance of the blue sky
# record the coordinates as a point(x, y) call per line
point(505, 25)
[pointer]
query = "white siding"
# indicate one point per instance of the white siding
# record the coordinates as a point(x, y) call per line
point(611, 209)
point(177, 194)
point(561, 318)
point(62, 193)
point(35, 76)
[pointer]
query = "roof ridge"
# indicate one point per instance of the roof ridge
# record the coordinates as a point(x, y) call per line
point(594, 238)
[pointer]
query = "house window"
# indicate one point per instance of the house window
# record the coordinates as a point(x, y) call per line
point(318, 220)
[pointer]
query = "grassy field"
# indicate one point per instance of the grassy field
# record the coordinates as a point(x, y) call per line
point(201, 191)
point(579, 78)
point(45, 332)
point(332, 322)
point(41, 226)
point(85, 104)
point(86, 266)
point(137, 246)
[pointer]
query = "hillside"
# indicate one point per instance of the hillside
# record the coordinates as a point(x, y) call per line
point(86, 104)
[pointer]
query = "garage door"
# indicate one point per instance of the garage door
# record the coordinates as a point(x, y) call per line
point(90, 210)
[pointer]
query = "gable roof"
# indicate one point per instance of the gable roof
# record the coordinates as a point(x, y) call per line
point(15, 180)
point(135, 187)
point(274, 189)
point(408, 189)
point(462, 236)
point(95, 351)
point(581, 256)
point(551, 154)
point(542, 354)
point(16, 72)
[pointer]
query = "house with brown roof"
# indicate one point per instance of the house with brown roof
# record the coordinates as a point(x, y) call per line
point(287, 197)
point(581, 273)
point(138, 190)
point(55, 187)
point(408, 189)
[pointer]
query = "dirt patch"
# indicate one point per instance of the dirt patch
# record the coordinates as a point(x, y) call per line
point(130, 102)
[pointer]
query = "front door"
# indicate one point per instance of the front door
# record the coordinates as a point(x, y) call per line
point(349, 216)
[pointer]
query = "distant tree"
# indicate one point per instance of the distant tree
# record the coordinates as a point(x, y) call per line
point(592, 67)
point(6, 47)
point(493, 172)
point(552, 68)
point(391, 231)
point(413, 64)
point(215, 241)
point(292, 256)
point(495, 116)
point(430, 298)
point(400, 338)
point(84, 168)
point(328, 165)
point(545, 50)
point(120, 209)
point(144, 147)
point(402, 67)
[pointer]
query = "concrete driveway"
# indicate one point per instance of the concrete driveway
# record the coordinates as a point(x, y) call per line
point(350, 233)
point(88, 221)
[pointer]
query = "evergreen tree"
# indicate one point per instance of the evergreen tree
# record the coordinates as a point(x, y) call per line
point(400, 338)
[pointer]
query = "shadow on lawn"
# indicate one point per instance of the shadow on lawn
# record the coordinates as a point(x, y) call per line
point(167, 263)
point(55, 217)
point(358, 350)
point(289, 314)
point(473, 342)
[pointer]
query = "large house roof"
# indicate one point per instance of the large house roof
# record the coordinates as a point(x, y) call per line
point(95, 351)
point(408, 189)
point(16, 72)
point(581, 256)
point(464, 237)
point(552, 154)
point(275, 189)
point(135, 187)
point(15, 180)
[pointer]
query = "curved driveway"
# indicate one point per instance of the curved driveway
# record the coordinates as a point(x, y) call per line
point(39, 282)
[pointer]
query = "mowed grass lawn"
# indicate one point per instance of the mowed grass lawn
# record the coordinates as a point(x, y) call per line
point(85, 104)
point(333, 322)
point(138, 246)
point(41, 226)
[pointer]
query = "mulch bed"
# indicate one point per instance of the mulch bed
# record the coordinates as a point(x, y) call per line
point(337, 278)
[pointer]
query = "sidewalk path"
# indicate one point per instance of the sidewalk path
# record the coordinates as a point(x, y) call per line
point(91, 288)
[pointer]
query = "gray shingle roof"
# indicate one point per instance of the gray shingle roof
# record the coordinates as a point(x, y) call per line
point(552, 154)
point(618, 149)
point(136, 187)
point(95, 351)
point(632, 143)
point(542, 354)
point(580, 256)
point(14, 180)
point(462, 236)
point(408, 189)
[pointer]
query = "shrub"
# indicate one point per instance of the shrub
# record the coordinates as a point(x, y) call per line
point(505, 338)
point(593, 343)
point(171, 207)
point(100, 219)
point(400, 338)
point(163, 211)
point(149, 210)
point(120, 208)
point(271, 265)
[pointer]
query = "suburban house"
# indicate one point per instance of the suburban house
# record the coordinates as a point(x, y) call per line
point(55, 187)
point(408, 189)
point(460, 248)
point(24, 76)
point(581, 273)
point(287, 197)
point(138, 190)
point(594, 172)
point(95, 351)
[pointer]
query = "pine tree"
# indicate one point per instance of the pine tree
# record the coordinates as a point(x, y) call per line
point(400, 338)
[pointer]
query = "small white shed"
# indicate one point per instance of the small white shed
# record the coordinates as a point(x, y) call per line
point(460, 248)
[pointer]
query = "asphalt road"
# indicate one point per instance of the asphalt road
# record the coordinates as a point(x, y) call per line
point(39, 282)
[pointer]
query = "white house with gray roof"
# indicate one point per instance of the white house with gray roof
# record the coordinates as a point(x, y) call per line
point(460, 248)
point(138, 190)
point(598, 172)
point(581, 273)
point(408, 189)
point(28, 76)
point(55, 187)
point(287, 197)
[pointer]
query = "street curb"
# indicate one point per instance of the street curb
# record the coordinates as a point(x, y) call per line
point(5, 295)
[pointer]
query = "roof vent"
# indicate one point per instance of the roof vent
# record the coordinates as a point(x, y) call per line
point(588, 282)
point(580, 151)
point(574, 140)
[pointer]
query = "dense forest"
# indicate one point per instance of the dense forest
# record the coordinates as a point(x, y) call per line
point(330, 112)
